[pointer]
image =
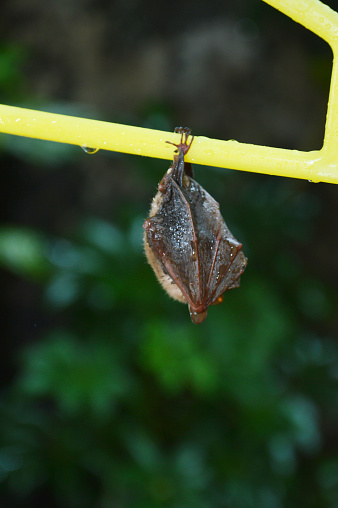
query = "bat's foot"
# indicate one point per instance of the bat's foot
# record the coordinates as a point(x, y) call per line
point(183, 145)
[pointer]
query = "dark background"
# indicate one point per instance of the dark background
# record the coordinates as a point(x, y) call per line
point(110, 397)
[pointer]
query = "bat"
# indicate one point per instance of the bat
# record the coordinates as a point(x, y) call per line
point(187, 243)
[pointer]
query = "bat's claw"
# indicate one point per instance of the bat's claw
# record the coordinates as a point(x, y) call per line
point(183, 130)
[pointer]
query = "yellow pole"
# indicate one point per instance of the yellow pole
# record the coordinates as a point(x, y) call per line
point(317, 166)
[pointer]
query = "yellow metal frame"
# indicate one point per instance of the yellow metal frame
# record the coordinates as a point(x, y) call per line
point(317, 166)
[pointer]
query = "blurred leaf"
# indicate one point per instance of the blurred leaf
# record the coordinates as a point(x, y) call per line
point(244, 335)
point(177, 359)
point(71, 257)
point(12, 58)
point(303, 417)
point(63, 290)
point(78, 376)
point(103, 236)
point(23, 251)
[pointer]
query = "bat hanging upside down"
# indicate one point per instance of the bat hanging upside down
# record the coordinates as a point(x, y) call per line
point(187, 243)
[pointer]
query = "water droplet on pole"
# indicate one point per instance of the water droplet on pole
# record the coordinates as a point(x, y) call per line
point(89, 150)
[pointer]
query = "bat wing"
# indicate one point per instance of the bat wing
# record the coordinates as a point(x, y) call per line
point(171, 236)
point(194, 246)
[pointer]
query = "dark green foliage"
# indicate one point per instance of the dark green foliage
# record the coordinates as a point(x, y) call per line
point(128, 404)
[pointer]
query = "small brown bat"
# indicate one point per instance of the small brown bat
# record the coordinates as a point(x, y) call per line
point(187, 243)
